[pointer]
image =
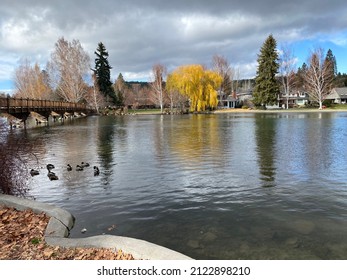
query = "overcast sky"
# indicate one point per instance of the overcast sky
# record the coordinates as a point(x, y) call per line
point(140, 33)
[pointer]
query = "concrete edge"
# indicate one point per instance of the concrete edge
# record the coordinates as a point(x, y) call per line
point(61, 222)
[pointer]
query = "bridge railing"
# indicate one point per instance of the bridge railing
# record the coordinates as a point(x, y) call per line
point(23, 103)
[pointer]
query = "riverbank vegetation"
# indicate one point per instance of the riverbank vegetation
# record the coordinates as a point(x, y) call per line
point(68, 76)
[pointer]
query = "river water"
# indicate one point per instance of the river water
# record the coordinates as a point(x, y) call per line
point(219, 186)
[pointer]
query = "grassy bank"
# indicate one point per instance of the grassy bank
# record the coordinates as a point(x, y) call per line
point(336, 108)
point(144, 111)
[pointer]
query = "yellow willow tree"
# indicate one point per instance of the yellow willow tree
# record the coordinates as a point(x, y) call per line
point(198, 84)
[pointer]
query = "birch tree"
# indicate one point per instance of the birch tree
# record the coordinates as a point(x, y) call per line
point(287, 66)
point(157, 85)
point(94, 97)
point(68, 67)
point(318, 77)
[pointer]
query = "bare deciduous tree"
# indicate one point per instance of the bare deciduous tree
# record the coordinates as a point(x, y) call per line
point(177, 101)
point(157, 96)
point(68, 66)
point(30, 82)
point(137, 95)
point(94, 97)
point(234, 78)
point(119, 89)
point(129, 97)
point(221, 65)
point(318, 77)
point(287, 66)
point(230, 75)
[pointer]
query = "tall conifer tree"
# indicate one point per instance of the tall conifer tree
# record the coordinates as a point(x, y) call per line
point(330, 58)
point(266, 86)
point(103, 73)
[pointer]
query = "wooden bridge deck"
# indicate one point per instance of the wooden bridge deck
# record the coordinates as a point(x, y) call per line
point(17, 110)
point(21, 105)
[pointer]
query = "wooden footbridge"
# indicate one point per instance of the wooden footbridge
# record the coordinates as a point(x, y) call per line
point(19, 109)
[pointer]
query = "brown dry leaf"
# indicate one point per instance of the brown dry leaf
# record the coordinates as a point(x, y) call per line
point(22, 238)
point(48, 252)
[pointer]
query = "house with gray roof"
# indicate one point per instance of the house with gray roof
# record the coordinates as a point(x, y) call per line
point(338, 95)
point(293, 99)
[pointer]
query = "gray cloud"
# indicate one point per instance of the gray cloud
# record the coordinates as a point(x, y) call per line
point(138, 33)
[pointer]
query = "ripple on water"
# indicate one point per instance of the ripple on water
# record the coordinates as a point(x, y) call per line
point(200, 184)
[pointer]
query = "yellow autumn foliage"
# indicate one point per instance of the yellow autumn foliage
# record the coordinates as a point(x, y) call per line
point(198, 84)
point(31, 82)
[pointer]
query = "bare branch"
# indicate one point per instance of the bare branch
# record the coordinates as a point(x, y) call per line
point(158, 72)
point(287, 66)
point(30, 82)
point(318, 78)
point(68, 66)
point(94, 97)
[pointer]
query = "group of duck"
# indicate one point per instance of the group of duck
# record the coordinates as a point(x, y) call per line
point(52, 176)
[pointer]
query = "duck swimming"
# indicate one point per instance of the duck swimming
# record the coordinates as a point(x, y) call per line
point(96, 171)
point(50, 167)
point(51, 175)
point(34, 172)
point(85, 164)
point(69, 168)
point(79, 168)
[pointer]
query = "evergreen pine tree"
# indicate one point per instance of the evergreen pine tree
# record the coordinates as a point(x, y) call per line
point(331, 59)
point(266, 86)
point(103, 73)
point(300, 77)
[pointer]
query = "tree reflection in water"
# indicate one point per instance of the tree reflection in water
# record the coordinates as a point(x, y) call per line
point(14, 173)
point(266, 137)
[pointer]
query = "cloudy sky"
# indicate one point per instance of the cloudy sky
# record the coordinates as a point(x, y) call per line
point(140, 33)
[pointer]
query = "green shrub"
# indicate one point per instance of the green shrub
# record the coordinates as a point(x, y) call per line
point(328, 103)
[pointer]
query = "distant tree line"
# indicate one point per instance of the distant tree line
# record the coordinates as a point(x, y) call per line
point(69, 76)
point(276, 74)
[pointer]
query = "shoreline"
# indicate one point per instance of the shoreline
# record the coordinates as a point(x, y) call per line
point(60, 223)
point(239, 110)
point(304, 110)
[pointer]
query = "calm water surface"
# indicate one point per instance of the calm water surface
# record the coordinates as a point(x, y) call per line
point(229, 186)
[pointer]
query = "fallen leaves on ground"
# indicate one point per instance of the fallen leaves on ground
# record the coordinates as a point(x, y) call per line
point(22, 238)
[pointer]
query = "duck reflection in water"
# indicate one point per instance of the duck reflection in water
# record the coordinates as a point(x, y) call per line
point(51, 175)
point(96, 171)
point(79, 167)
